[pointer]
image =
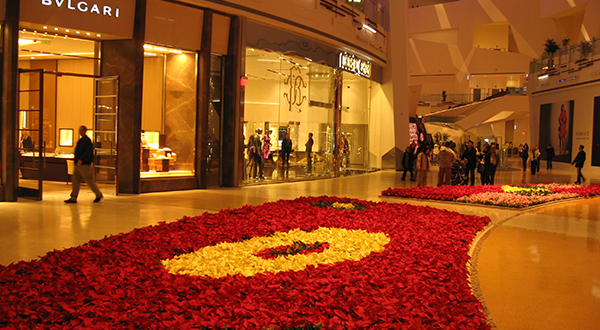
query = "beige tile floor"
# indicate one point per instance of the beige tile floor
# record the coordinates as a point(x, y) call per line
point(535, 269)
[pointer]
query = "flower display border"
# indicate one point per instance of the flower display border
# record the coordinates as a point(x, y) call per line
point(511, 196)
point(420, 280)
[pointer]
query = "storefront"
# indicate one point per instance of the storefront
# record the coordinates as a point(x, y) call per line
point(298, 87)
point(146, 78)
point(171, 93)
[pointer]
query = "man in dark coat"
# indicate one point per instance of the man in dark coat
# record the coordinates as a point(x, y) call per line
point(549, 156)
point(84, 156)
point(286, 150)
point(408, 161)
point(578, 162)
point(470, 154)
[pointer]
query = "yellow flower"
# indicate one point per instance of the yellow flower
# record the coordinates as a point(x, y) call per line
point(345, 206)
point(240, 258)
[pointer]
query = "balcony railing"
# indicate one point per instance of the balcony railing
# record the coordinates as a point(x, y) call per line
point(467, 98)
point(566, 60)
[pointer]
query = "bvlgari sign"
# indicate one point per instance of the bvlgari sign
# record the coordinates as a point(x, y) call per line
point(355, 65)
point(84, 7)
point(110, 18)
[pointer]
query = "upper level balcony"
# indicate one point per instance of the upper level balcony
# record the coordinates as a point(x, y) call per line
point(573, 65)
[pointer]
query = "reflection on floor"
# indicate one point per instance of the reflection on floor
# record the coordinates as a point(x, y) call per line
point(536, 268)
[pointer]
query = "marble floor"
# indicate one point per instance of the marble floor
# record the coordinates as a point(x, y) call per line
point(533, 269)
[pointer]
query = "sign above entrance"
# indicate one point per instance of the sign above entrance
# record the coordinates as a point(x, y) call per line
point(84, 7)
point(355, 65)
point(107, 17)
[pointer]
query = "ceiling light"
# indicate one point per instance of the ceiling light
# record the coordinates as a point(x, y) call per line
point(24, 42)
point(45, 27)
point(88, 33)
point(55, 29)
point(66, 30)
point(97, 35)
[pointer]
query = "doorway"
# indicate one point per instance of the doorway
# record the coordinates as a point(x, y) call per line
point(46, 148)
point(32, 149)
point(476, 94)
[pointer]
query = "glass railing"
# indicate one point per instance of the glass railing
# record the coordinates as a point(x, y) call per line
point(570, 58)
point(373, 9)
point(468, 98)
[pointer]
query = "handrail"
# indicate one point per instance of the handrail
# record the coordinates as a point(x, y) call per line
point(571, 58)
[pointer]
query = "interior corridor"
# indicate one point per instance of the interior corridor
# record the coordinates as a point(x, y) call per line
point(534, 269)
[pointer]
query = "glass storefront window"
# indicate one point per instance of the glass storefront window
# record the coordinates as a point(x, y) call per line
point(287, 95)
point(356, 104)
point(76, 60)
point(168, 112)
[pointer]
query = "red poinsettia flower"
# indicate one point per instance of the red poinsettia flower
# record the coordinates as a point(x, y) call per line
point(419, 281)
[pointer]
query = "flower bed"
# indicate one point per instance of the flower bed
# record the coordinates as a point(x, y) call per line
point(517, 196)
point(383, 266)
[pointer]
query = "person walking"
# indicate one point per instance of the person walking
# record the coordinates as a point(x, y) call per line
point(470, 154)
point(446, 157)
point(423, 166)
point(84, 156)
point(408, 160)
point(549, 156)
point(578, 162)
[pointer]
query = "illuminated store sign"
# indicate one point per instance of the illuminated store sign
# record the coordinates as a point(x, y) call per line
point(113, 19)
point(355, 65)
point(83, 7)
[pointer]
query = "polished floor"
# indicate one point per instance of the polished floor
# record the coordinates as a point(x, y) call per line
point(533, 269)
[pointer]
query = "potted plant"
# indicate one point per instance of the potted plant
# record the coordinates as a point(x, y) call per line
point(550, 48)
point(585, 48)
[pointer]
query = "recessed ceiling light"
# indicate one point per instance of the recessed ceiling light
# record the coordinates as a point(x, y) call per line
point(97, 35)
point(66, 30)
point(45, 27)
point(77, 32)
point(88, 33)
point(55, 29)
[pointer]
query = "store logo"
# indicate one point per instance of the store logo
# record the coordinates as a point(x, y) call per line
point(84, 7)
point(297, 86)
point(355, 65)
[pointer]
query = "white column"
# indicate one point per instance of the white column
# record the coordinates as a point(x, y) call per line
point(395, 77)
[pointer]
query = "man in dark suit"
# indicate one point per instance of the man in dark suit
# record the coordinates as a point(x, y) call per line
point(84, 156)
point(470, 154)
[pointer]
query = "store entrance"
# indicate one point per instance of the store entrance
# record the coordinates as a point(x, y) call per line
point(32, 148)
point(46, 150)
point(106, 100)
